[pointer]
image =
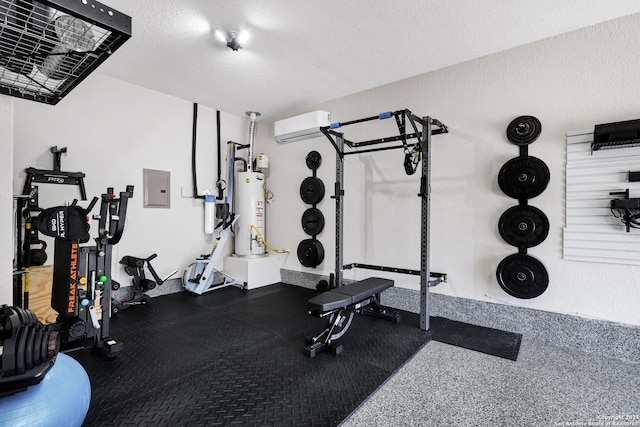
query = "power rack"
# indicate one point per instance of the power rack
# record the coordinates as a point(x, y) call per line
point(414, 138)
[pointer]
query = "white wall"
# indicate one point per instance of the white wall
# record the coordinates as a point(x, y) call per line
point(6, 202)
point(570, 82)
point(113, 130)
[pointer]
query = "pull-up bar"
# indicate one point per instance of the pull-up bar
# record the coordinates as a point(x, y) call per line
point(400, 116)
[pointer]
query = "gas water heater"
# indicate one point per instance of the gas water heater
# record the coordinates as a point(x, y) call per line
point(250, 204)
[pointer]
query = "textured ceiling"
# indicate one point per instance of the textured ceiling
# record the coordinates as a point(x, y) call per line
point(303, 52)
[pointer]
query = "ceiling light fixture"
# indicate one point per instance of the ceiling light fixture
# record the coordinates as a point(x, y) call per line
point(234, 39)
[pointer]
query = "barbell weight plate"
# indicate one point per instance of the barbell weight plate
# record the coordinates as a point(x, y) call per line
point(523, 226)
point(524, 130)
point(310, 253)
point(524, 177)
point(312, 190)
point(522, 276)
point(313, 160)
point(313, 221)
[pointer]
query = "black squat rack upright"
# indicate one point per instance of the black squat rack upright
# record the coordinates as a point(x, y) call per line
point(421, 129)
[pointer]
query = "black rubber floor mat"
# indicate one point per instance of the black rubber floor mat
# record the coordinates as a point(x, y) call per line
point(486, 340)
point(233, 357)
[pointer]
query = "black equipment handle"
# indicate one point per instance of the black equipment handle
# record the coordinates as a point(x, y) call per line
point(135, 261)
point(91, 205)
point(114, 209)
point(42, 243)
point(154, 274)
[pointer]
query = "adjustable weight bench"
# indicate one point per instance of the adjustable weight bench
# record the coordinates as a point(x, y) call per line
point(339, 305)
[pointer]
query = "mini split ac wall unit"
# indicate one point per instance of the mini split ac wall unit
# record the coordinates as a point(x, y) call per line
point(298, 128)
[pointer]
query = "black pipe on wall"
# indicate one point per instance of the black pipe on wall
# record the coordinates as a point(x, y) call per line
point(193, 152)
point(219, 181)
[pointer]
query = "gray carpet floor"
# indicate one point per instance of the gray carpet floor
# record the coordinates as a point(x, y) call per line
point(443, 385)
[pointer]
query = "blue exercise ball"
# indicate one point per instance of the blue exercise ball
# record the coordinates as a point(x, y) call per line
point(61, 399)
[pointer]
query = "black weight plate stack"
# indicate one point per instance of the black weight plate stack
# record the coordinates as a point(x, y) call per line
point(313, 221)
point(523, 226)
point(312, 190)
point(524, 177)
point(524, 130)
point(522, 276)
point(310, 252)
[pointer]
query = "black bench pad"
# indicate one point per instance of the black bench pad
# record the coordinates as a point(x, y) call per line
point(350, 294)
point(328, 301)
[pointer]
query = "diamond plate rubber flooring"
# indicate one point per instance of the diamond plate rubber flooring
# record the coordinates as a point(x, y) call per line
point(234, 357)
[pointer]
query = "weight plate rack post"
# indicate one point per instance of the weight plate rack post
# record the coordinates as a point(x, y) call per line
point(310, 251)
point(523, 226)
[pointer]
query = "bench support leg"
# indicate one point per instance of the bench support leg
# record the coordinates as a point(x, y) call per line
point(339, 322)
point(374, 309)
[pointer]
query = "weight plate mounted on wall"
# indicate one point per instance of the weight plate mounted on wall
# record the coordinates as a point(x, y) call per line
point(524, 177)
point(524, 130)
point(523, 226)
point(312, 190)
point(310, 253)
point(313, 221)
point(313, 160)
point(522, 276)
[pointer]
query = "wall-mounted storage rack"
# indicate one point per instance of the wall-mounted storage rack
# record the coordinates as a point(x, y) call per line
point(616, 135)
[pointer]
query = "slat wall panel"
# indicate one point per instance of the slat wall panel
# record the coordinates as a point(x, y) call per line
point(592, 233)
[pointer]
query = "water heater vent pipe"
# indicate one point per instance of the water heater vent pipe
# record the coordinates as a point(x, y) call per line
point(252, 135)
